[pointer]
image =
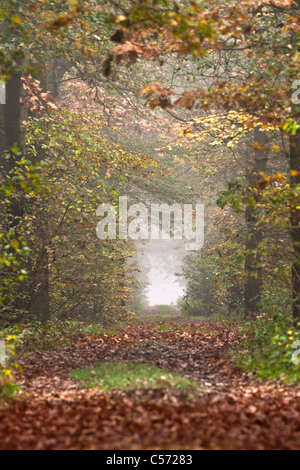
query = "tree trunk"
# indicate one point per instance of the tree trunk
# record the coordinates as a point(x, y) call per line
point(295, 213)
point(40, 303)
point(12, 145)
point(55, 75)
point(11, 148)
point(295, 225)
point(253, 267)
point(39, 306)
point(235, 299)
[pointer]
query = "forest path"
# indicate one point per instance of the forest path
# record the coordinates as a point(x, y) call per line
point(227, 411)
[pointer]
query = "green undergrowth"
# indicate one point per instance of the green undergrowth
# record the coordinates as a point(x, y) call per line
point(228, 321)
point(165, 328)
point(111, 376)
point(272, 349)
point(21, 340)
point(165, 309)
point(54, 334)
point(162, 318)
point(8, 365)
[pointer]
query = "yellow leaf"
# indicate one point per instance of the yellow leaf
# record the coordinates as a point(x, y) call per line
point(265, 177)
point(279, 177)
point(256, 145)
point(16, 19)
point(120, 18)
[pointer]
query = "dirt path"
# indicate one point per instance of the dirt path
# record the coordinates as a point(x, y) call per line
point(228, 412)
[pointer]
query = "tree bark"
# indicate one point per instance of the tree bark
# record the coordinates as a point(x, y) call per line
point(14, 144)
point(253, 267)
point(295, 225)
point(39, 306)
point(235, 299)
point(294, 212)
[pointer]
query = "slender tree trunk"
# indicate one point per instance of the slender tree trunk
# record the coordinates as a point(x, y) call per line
point(12, 115)
point(39, 306)
point(295, 225)
point(14, 144)
point(235, 299)
point(55, 75)
point(40, 303)
point(253, 267)
point(12, 147)
point(295, 213)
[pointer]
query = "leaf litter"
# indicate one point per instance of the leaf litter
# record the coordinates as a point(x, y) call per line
point(230, 410)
